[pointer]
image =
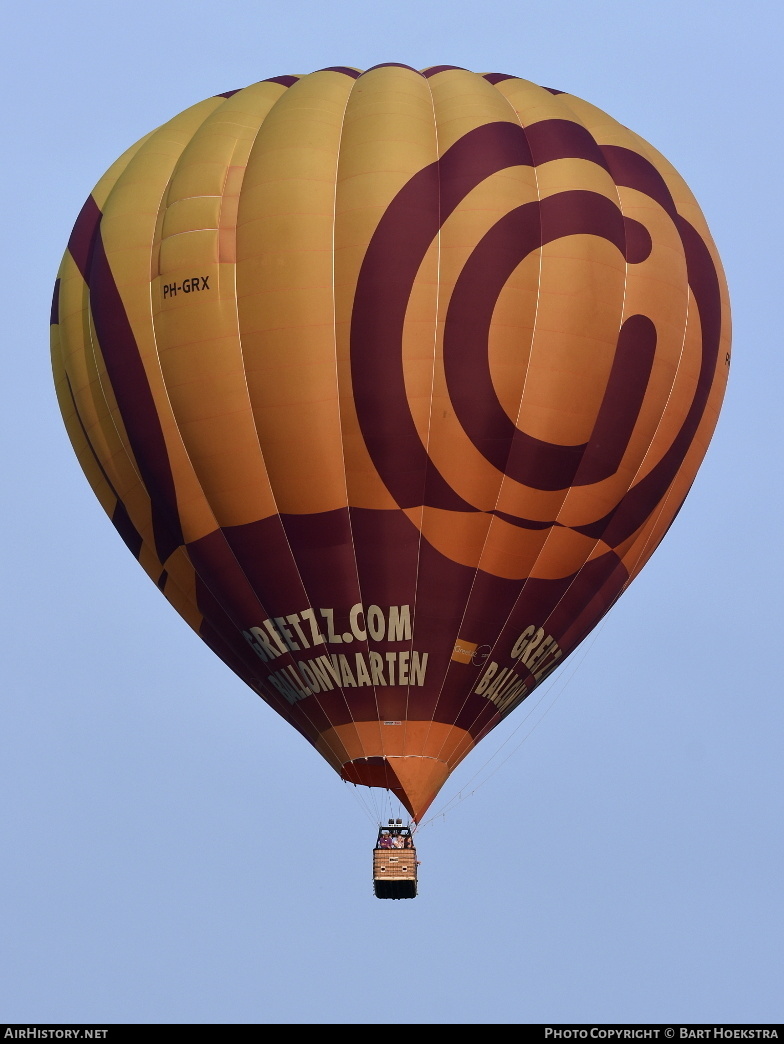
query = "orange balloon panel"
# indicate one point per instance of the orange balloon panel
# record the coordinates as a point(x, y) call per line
point(392, 381)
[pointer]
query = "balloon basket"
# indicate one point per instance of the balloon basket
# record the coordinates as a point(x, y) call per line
point(395, 863)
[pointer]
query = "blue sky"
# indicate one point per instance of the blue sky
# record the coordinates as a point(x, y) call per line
point(172, 853)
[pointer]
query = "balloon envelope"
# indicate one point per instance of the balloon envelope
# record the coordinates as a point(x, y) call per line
point(392, 382)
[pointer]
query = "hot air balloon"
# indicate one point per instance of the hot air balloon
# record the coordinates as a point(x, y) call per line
point(392, 381)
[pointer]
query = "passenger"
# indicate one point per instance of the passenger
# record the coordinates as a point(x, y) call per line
point(385, 841)
point(397, 841)
point(408, 841)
